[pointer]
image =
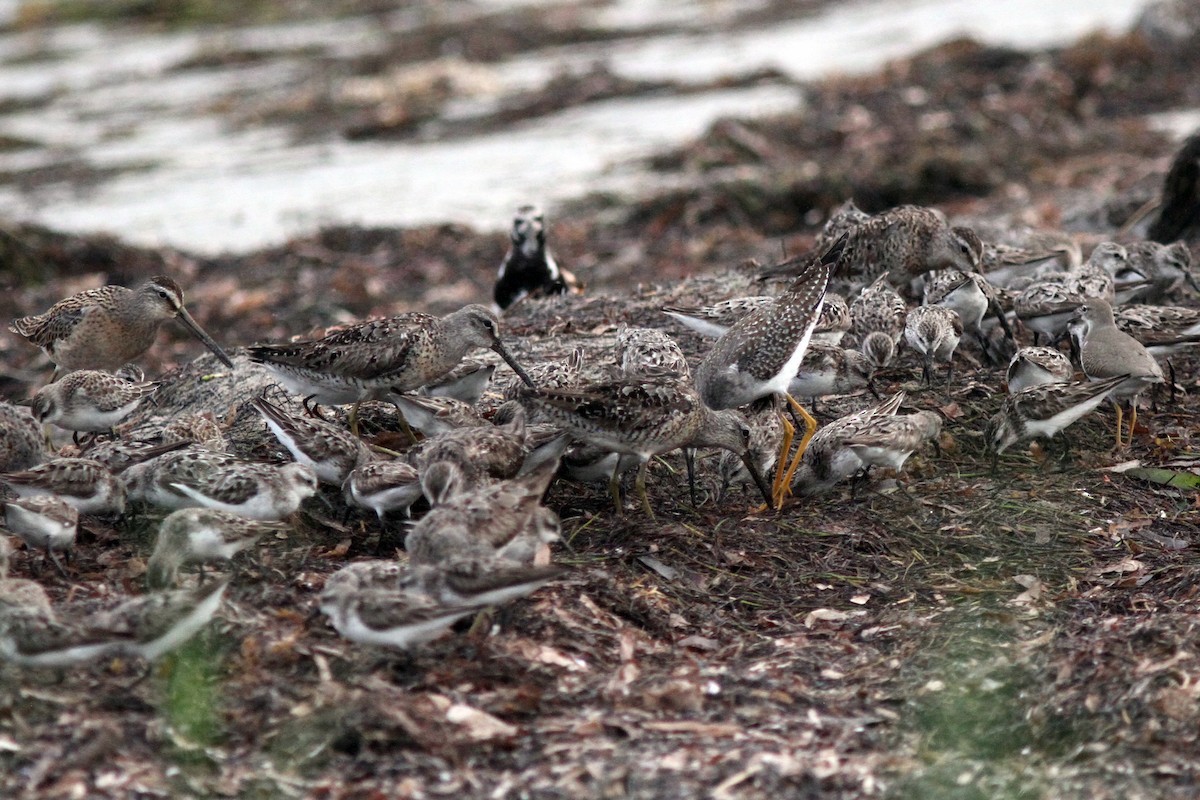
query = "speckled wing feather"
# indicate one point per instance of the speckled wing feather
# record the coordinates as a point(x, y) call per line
point(232, 486)
point(620, 405)
point(57, 322)
point(76, 477)
point(369, 350)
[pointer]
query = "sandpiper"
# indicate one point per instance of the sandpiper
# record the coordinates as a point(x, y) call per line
point(972, 297)
point(396, 618)
point(1154, 271)
point(1045, 307)
point(1164, 330)
point(85, 484)
point(645, 417)
point(22, 444)
point(435, 415)
point(641, 349)
point(529, 269)
point(1181, 188)
point(828, 459)
point(33, 637)
point(890, 440)
point(157, 623)
point(1033, 366)
point(200, 536)
point(202, 478)
point(383, 486)
point(107, 327)
point(761, 354)
point(366, 360)
point(714, 320)
point(466, 383)
point(44, 522)
point(486, 453)
point(933, 332)
point(878, 348)
point(880, 308)
point(828, 369)
point(1044, 410)
point(1106, 351)
point(328, 450)
point(88, 401)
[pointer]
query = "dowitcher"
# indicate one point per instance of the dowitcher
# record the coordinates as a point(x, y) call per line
point(761, 354)
point(107, 327)
point(1044, 410)
point(400, 353)
point(1106, 351)
point(644, 417)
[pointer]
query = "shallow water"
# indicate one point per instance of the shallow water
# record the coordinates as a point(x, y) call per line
point(183, 175)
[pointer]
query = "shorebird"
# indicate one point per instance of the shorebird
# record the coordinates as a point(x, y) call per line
point(641, 349)
point(933, 332)
point(828, 369)
point(43, 521)
point(1044, 410)
point(878, 308)
point(200, 536)
point(972, 297)
point(528, 268)
point(828, 460)
point(110, 326)
point(400, 353)
point(1033, 366)
point(88, 401)
point(191, 478)
point(331, 452)
point(714, 320)
point(22, 444)
point(486, 453)
point(761, 354)
point(432, 415)
point(157, 623)
point(383, 486)
point(85, 484)
point(1106, 351)
point(644, 417)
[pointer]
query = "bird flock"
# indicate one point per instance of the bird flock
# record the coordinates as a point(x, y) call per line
point(476, 471)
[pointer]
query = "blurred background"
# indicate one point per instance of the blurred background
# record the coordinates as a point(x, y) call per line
point(219, 126)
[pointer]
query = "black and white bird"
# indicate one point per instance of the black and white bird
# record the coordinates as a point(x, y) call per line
point(529, 268)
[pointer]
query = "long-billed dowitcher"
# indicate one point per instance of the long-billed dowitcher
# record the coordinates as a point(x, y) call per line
point(367, 360)
point(106, 327)
point(1106, 351)
point(1044, 410)
point(761, 354)
point(644, 417)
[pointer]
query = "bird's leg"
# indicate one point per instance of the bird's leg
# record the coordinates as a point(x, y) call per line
point(810, 427)
point(1117, 403)
point(614, 487)
point(949, 372)
point(641, 489)
point(789, 431)
point(354, 419)
point(689, 459)
point(1132, 419)
point(927, 372)
point(54, 560)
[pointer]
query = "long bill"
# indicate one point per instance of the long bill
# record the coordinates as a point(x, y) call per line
point(512, 362)
point(195, 329)
point(752, 468)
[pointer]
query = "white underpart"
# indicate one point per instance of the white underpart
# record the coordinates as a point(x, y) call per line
point(780, 382)
point(880, 456)
point(64, 657)
point(1049, 427)
point(91, 420)
point(703, 327)
point(350, 625)
point(183, 629)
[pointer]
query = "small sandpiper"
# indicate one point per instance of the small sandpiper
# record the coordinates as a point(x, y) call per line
point(1044, 410)
point(435, 415)
point(201, 536)
point(761, 354)
point(1033, 366)
point(44, 522)
point(157, 623)
point(878, 308)
point(641, 349)
point(1106, 351)
point(22, 444)
point(484, 454)
point(831, 370)
point(85, 484)
point(89, 401)
point(202, 478)
point(383, 486)
point(328, 450)
point(110, 326)
point(933, 332)
point(828, 460)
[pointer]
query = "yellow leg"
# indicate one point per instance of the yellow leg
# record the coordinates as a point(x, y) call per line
point(641, 489)
point(614, 486)
point(810, 427)
point(354, 418)
point(789, 431)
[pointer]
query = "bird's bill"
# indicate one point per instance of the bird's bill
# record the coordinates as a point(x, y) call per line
point(195, 329)
point(752, 468)
point(512, 362)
